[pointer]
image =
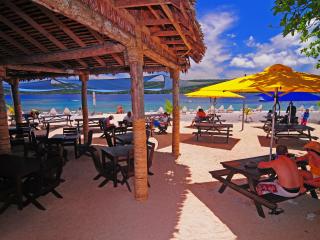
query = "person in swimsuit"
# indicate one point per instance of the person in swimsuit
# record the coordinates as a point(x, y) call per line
point(289, 182)
point(313, 159)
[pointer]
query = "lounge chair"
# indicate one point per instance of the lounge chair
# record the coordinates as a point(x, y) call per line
point(66, 111)
point(221, 109)
point(229, 109)
point(258, 109)
point(211, 109)
point(311, 109)
point(53, 112)
point(184, 110)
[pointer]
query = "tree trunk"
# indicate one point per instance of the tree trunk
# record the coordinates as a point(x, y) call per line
point(16, 100)
point(176, 113)
point(4, 132)
point(135, 56)
point(84, 80)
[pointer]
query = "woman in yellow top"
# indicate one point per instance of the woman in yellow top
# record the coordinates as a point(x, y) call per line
point(313, 158)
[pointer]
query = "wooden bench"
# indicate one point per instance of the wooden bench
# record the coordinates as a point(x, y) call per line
point(213, 129)
point(292, 131)
point(56, 119)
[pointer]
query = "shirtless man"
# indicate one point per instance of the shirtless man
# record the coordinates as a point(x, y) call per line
point(313, 159)
point(289, 182)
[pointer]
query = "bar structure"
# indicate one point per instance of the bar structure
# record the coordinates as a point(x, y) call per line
point(57, 38)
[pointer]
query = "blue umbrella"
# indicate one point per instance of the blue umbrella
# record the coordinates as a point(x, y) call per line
point(293, 96)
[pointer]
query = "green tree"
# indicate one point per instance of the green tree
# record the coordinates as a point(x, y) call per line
point(301, 17)
point(168, 107)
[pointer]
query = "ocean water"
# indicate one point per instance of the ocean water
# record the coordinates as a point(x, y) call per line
point(109, 102)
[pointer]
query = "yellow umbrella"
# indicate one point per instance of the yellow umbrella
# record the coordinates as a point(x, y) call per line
point(274, 78)
point(213, 94)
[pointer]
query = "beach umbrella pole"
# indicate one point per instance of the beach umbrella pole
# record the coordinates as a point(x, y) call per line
point(242, 124)
point(273, 121)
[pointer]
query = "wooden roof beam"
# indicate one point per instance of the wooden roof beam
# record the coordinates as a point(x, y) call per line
point(176, 24)
point(38, 27)
point(91, 51)
point(165, 33)
point(22, 33)
point(154, 22)
point(13, 42)
point(68, 31)
point(32, 68)
point(143, 3)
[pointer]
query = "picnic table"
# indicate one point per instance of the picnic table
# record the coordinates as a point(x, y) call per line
point(252, 176)
point(292, 131)
point(64, 139)
point(115, 154)
point(126, 138)
point(92, 121)
point(213, 129)
point(214, 118)
point(45, 119)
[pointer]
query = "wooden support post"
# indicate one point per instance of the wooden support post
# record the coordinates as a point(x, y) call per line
point(4, 132)
point(84, 80)
point(16, 100)
point(135, 56)
point(176, 113)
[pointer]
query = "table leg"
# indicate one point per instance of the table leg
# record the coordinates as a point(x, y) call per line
point(258, 205)
point(228, 179)
point(19, 192)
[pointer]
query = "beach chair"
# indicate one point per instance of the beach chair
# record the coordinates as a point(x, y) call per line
point(211, 110)
point(229, 109)
point(160, 110)
point(184, 110)
point(53, 112)
point(301, 108)
point(311, 108)
point(66, 111)
point(221, 109)
point(258, 109)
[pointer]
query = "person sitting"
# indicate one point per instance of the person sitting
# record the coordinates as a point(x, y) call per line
point(127, 120)
point(313, 159)
point(305, 117)
point(119, 109)
point(199, 116)
point(288, 183)
point(108, 123)
point(162, 123)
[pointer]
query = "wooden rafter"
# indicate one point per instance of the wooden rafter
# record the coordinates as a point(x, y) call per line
point(176, 24)
point(22, 33)
point(143, 3)
point(155, 22)
point(33, 68)
point(91, 51)
point(165, 33)
point(13, 42)
point(69, 32)
point(41, 29)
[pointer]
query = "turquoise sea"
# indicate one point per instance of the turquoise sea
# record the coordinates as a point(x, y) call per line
point(109, 102)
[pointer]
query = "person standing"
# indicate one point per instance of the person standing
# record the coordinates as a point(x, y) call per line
point(305, 117)
point(291, 113)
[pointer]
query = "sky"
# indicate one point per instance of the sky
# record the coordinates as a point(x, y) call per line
point(244, 37)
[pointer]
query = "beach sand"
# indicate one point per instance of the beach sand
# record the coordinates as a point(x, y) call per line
point(183, 203)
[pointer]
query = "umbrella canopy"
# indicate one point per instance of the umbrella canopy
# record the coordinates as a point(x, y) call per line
point(213, 94)
point(293, 96)
point(277, 76)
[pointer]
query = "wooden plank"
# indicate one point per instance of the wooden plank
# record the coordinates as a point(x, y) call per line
point(22, 33)
point(13, 42)
point(33, 68)
point(143, 3)
point(154, 22)
point(165, 33)
point(91, 51)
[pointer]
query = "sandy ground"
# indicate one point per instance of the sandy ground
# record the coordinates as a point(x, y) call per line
point(183, 203)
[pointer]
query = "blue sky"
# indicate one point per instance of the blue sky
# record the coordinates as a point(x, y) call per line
point(244, 37)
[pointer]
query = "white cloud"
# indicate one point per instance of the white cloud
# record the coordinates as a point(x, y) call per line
point(213, 26)
point(279, 49)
